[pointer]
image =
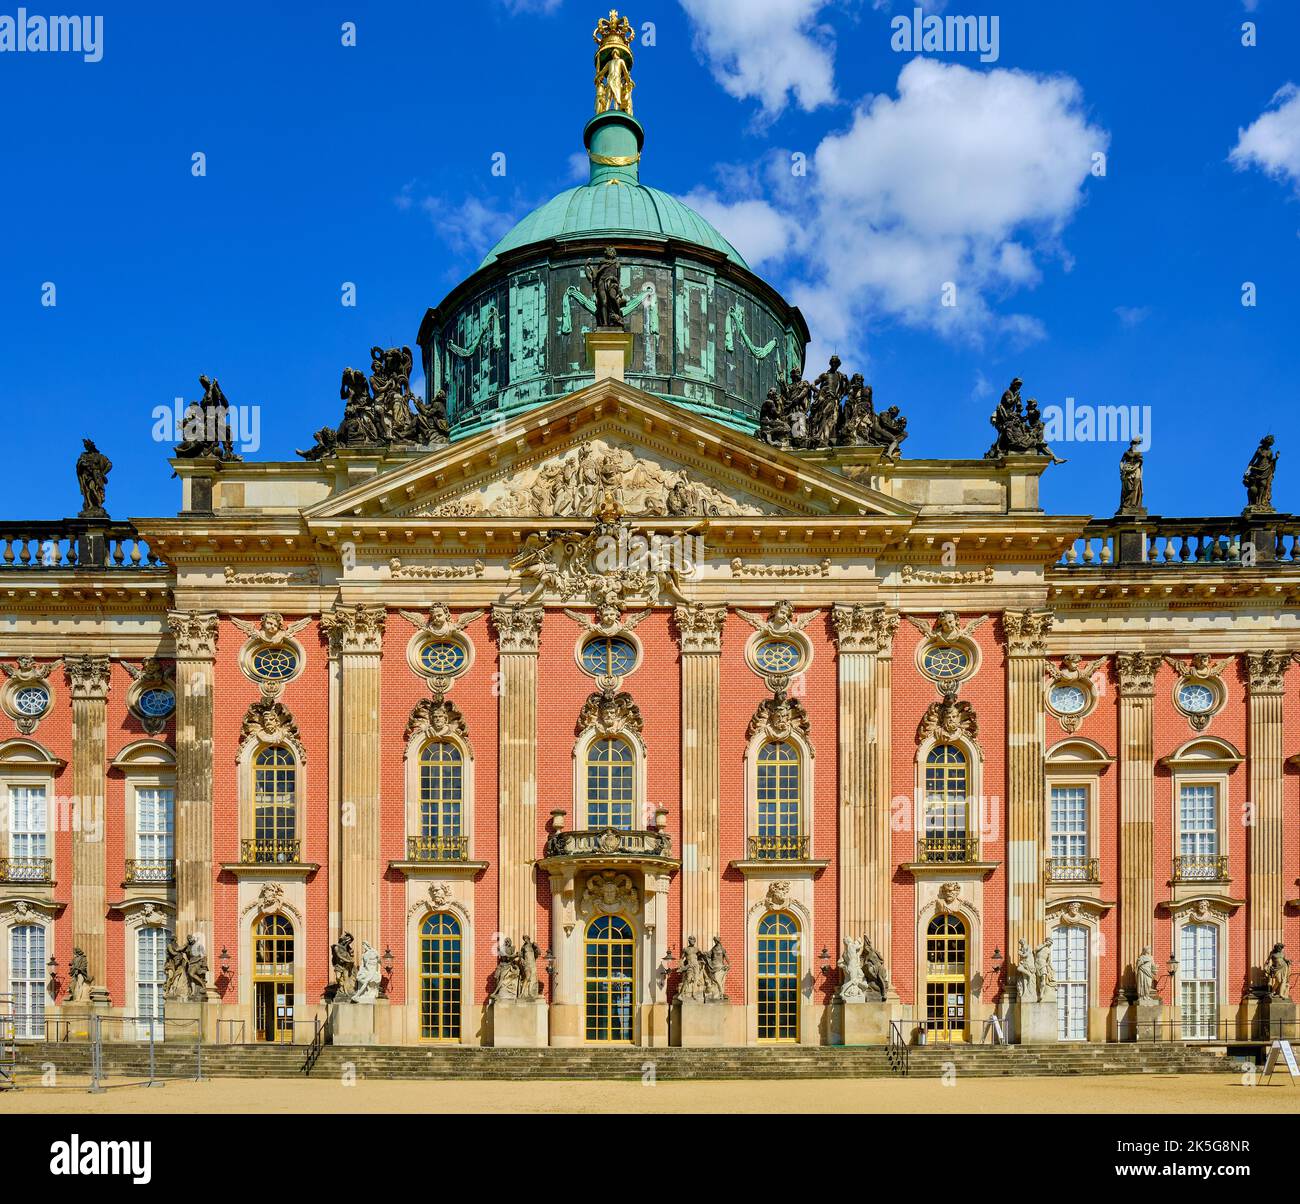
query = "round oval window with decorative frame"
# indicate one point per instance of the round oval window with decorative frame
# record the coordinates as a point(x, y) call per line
point(783, 654)
point(1199, 698)
point(157, 702)
point(1069, 699)
point(31, 702)
point(274, 662)
point(447, 656)
point(947, 660)
point(609, 656)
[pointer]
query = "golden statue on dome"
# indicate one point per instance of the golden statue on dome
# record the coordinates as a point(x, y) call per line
point(614, 36)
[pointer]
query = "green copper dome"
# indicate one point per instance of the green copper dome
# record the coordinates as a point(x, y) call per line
point(614, 202)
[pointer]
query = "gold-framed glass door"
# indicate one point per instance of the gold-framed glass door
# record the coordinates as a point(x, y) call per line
point(946, 987)
point(778, 977)
point(273, 998)
point(610, 961)
point(440, 978)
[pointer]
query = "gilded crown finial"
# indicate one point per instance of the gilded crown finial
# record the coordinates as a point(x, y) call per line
point(614, 29)
point(614, 36)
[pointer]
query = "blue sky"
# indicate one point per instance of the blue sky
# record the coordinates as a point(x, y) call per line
point(372, 164)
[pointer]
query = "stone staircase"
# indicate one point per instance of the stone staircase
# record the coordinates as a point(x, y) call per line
point(782, 1062)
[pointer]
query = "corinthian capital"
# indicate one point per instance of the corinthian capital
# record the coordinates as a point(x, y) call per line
point(518, 627)
point(1026, 631)
point(358, 628)
point(699, 627)
point(88, 676)
point(1137, 673)
point(864, 628)
point(195, 633)
point(1265, 671)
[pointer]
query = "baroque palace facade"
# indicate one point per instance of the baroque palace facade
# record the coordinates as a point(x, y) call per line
point(734, 723)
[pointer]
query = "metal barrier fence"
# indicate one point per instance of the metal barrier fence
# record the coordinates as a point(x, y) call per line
point(1193, 1029)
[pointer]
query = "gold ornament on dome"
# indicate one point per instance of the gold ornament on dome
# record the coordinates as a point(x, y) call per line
point(614, 36)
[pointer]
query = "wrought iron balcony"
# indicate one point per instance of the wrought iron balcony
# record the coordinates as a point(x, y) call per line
point(437, 848)
point(610, 842)
point(270, 852)
point(1204, 867)
point(26, 869)
point(1073, 869)
point(947, 848)
point(140, 870)
point(778, 848)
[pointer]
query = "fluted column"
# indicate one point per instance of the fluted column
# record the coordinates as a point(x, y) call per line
point(88, 679)
point(864, 635)
point(519, 631)
point(1136, 672)
point(1026, 635)
point(699, 633)
point(196, 650)
point(358, 633)
point(1266, 674)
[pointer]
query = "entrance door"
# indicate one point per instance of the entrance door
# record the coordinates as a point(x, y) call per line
point(1070, 965)
point(778, 977)
point(610, 965)
point(945, 979)
point(150, 959)
point(27, 979)
point(273, 978)
point(440, 978)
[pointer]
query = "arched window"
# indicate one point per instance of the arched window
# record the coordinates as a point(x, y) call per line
point(610, 960)
point(273, 977)
point(946, 783)
point(611, 801)
point(778, 977)
point(440, 961)
point(275, 825)
point(1070, 966)
point(779, 790)
point(27, 979)
point(442, 786)
point(945, 978)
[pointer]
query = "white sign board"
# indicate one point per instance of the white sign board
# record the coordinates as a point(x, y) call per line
point(1283, 1050)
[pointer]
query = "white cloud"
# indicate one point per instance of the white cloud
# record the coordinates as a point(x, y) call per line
point(964, 177)
point(1132, 315)
point(544, 7)
point(767, 50)
point(1272, 141)
point(470, 225)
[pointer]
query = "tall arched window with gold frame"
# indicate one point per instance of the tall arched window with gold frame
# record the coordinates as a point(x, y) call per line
point(778, 977)
point(947, 780)
point(611, 784)
point(440, 977)
point(610, 976)
point(273, 977)
point(779, 787)
point(442, 790)
point(275, 818)
point(945, 978)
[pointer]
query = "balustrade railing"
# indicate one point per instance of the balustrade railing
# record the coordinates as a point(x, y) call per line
point(1235, 542)
point(145, 869)
point(1204, 867)
point(437, 848)
point(947, 848)
point(1073, 869)
point(778, 848)
point(26, 869)
point(270, 852)
point(74, 544)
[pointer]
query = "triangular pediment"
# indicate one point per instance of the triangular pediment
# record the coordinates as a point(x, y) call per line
point(566, 458)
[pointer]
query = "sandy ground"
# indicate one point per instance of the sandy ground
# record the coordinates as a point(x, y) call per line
point(1111, 1093)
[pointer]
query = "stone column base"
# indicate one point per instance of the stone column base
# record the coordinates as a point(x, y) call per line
point(185, 1022)
point(609, 352)
point(1276, 1020)
point(352, 1024)
point(861, 1022)
point(698, 1025)
point(519, 1024)
point(1141, 1021)
point(1035, 1023)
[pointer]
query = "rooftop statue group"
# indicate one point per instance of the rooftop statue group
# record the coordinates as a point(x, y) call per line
point(835, 410)
point(205, 426)
point(704, 975)
point(1020, 428)
point(863, 976)
point(380, 410)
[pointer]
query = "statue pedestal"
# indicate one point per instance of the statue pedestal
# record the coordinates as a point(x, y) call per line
point(80, 1019)
point(1143, 1021)
point(864, 1022)
point(609, 353)
point(520, 1024)
point(1277, 1019)
point(352, 1024)
point(700, 1025)
point(1036, 1023)
point(184, 1021)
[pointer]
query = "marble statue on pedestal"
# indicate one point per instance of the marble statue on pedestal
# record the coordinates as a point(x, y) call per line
point(79, 978)
point(852, 980)
point(693, 987)
point(873, 971)
point(343, 958)
point(1277, 971)
point(1026, 975)
point(716, 967)
point(368, 975)
point(1045, 972)
point(1145, 973)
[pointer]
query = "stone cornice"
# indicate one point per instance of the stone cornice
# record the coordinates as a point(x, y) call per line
point(195, 634)
point(355, 629)
point(518, 627)
point(699, 627)
point(864, 628)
